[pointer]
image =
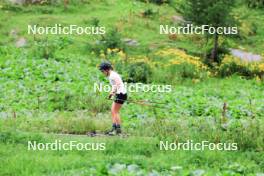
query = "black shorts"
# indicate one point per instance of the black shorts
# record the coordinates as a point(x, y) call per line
point(120, 98)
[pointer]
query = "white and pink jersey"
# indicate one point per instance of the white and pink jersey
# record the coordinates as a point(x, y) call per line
point(116, 83)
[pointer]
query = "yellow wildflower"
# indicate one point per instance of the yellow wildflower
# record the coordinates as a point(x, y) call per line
point(261, 67)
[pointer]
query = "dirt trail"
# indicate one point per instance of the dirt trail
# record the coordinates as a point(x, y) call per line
point(246, 56)
point(89, 134)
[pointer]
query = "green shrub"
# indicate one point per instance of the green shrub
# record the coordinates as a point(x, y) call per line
point(45, 49)
point(95, 22)
point(180, 65)
point(247, 29)
point(183, 71)
point(232, 65)
point(135, 72)
point(111, 40)
point(149, 13)
point(233, 68)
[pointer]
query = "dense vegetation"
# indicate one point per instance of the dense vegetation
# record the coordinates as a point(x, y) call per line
point(47, 85)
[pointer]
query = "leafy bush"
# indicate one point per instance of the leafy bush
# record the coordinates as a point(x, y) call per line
point(45, 49)
point(149, 13)
point(247, 29)
point(232, 65)
point(184, 70)
point(135, 72)
point(111, 40)
point(181, 64)
point(95, 22)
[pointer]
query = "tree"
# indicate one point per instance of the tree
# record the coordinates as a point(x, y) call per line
point(215, 13)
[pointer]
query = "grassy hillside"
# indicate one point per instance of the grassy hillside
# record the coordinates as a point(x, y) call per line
point(131, 22)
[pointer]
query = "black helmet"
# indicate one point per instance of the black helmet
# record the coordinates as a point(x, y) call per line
point(105, 66)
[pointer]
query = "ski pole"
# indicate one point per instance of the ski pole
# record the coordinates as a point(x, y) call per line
point(141, 102)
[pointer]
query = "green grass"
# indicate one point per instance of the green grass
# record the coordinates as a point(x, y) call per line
point(141, 151)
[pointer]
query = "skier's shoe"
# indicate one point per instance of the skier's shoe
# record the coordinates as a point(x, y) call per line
point(91, 134)
point(110, 132)
point(118, 131)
